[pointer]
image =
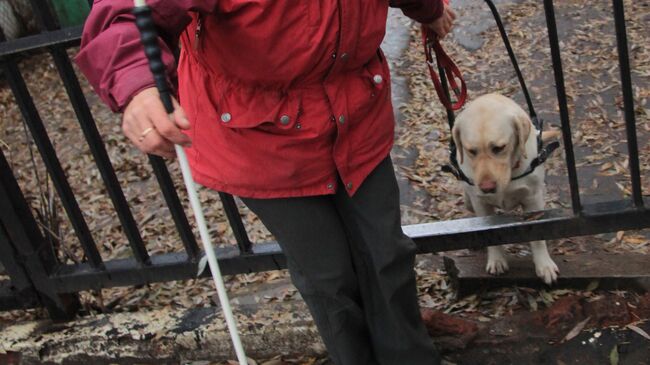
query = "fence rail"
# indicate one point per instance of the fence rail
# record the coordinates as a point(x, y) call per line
point(39, 279)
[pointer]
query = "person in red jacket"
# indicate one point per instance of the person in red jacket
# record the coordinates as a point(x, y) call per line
point(287, 105)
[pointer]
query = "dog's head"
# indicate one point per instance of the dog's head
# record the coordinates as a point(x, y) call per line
point(490, 136)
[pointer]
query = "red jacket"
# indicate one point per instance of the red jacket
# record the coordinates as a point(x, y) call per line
point(283, 96)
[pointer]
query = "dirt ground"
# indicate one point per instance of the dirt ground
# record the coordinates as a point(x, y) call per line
point(595, 104)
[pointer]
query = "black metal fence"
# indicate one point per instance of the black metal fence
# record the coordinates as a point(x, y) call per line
point(38, 278)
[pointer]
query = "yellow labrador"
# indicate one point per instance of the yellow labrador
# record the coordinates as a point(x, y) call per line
point(496, 141)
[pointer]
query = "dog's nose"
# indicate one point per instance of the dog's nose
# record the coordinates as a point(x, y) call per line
point(488, 187)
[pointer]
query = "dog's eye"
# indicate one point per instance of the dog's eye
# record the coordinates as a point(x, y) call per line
point(472, 152)
point(498, 149)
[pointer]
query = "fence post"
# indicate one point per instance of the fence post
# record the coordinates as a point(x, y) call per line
point(31, 252)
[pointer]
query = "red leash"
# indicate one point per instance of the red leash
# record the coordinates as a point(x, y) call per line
point(452, 73)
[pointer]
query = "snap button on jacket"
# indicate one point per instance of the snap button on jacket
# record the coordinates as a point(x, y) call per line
point(284, 97)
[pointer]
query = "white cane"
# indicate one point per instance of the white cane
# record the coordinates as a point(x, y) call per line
point(149, 39)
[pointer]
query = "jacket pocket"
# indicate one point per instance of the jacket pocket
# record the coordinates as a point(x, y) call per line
point(369, 87)
point(377, 73)
point(252, 108)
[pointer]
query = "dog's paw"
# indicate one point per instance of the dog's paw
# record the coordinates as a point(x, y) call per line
point(496, 261)
point(496, 265)
point(547, 270)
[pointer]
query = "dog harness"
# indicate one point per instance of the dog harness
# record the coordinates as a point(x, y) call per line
point(447, 67)
point(543, 152)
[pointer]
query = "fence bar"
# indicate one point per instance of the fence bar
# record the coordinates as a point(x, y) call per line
point(68, 37)
point(513, 59)
point(175, 207)
point(96, 144)
point(48, 154)
point(628, 101)
point(232, 212)
point(170, 266)
point(562, 102)
point(477, 232)
point(30, 249)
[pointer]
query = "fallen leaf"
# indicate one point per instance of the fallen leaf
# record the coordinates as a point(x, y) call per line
point(639, 331)
point(532, 303)
point(613, 356)
point(202, 265)
point(619, 235)
point(593, 285)
point(575, 330)
point(547, 298)
point(534, 217)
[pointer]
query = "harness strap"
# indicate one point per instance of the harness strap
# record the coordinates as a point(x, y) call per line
point(511, 54)
point(544, 153)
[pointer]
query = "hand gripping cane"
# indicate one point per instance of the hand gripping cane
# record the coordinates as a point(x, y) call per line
point(149, 38)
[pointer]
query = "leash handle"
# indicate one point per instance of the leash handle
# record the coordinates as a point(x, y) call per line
point(452, 72)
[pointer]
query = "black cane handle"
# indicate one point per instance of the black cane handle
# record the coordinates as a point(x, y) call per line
point(149, 38)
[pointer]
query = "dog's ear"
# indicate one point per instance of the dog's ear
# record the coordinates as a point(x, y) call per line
point(455, 133)
point(521, 123)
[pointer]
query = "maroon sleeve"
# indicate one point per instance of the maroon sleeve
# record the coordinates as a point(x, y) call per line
point(423, 11)
point(111, 55)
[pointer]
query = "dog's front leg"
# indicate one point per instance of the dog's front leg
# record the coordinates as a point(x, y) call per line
point(545, 267)
point(496, 257)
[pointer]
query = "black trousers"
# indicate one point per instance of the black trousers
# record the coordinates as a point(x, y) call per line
point(353, 266)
